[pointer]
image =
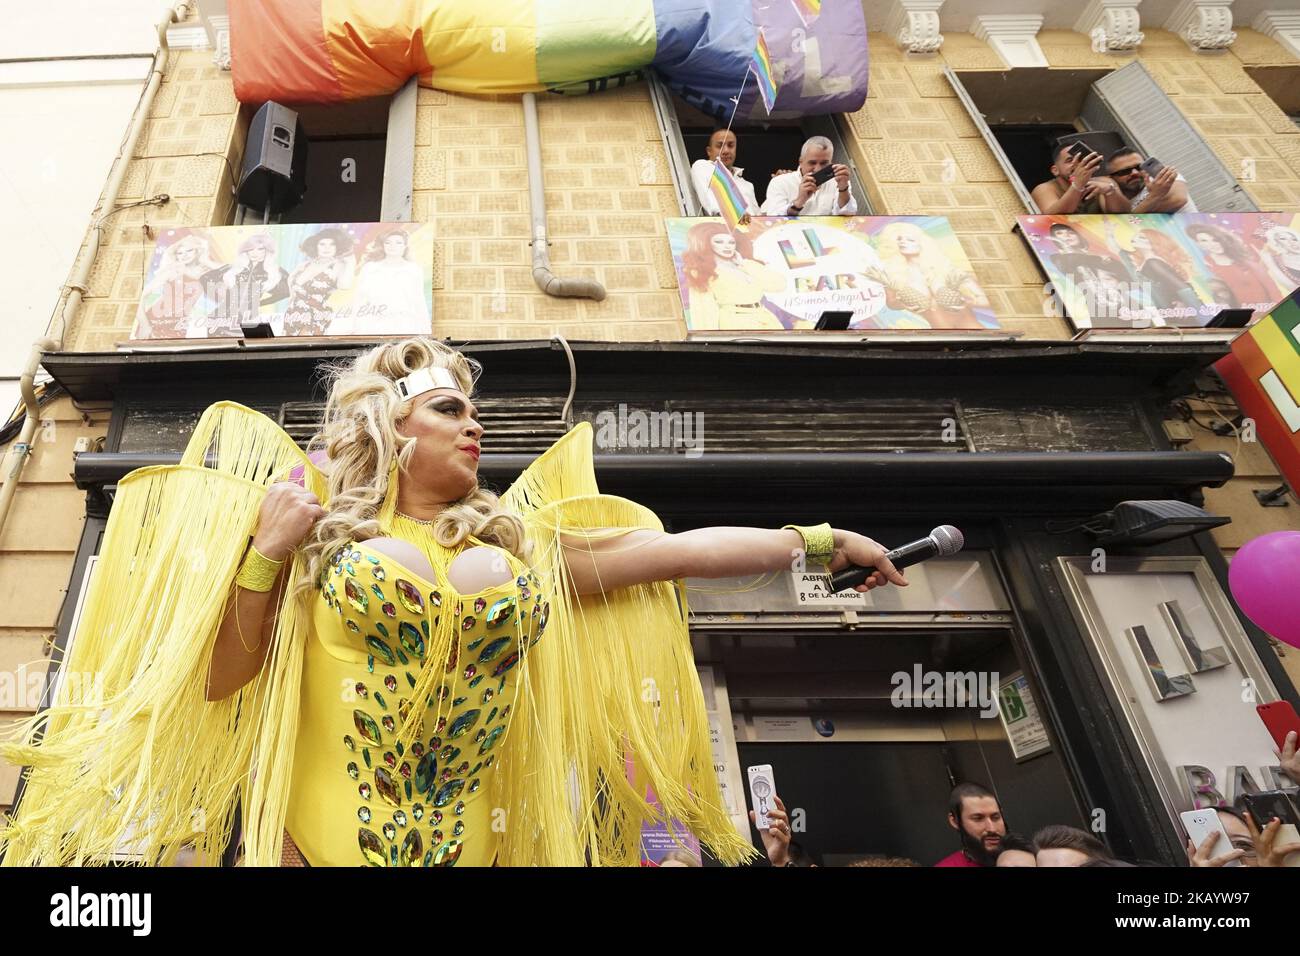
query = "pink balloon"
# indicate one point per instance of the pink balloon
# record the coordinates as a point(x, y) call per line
point(1265, 580)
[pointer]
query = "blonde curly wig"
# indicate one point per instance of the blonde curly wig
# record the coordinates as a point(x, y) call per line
point(360, 439)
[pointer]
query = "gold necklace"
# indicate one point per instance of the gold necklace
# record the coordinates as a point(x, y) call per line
point(424, 521)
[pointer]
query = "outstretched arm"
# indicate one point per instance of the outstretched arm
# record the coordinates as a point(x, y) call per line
point(599, 564)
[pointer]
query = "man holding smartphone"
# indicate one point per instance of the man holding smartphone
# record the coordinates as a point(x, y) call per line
point(1075, 188)
point(1148, 184)
point(817, 188)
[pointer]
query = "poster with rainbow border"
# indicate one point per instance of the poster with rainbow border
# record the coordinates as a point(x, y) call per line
point(778, 274)
point(318, 279)
point(1143, 271)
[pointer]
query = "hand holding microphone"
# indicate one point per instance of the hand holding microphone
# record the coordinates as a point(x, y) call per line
point(870, 565)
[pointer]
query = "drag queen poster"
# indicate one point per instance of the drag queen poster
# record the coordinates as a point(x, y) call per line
point(776, 274)
point(320, 279)
point(1144, 271)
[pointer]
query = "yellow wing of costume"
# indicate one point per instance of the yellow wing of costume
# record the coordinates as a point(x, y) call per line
point(609, 701)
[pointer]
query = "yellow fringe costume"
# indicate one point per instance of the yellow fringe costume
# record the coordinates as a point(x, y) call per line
point(395, 722)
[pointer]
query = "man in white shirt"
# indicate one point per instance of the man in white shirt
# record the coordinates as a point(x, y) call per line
point(798, 193)
point(722, 145)
point(1166, 191)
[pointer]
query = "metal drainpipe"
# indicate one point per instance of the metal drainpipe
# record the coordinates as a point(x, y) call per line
point(52, 341)
point(547, 280)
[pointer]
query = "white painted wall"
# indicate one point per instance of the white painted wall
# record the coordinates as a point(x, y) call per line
point(80, 28)
point(63, 119)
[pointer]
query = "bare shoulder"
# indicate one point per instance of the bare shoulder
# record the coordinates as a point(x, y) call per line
point(1047, 191)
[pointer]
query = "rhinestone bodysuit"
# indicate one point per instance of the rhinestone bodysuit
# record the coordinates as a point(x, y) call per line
point(358, 795)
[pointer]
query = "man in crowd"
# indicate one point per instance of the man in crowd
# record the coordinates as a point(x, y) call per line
point(799, 194)
point(1164, 192)
point(1060, 845)
point(1076, 189)
point(974, 812)
point(722, 145)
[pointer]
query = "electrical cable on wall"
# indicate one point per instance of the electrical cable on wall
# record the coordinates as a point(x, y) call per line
point(44, 395)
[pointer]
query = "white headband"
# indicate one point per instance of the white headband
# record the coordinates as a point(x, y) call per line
point(426, 380)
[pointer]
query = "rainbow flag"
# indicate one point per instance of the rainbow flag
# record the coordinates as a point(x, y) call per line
point(727, 193)
point(334, 51)
point(761, 64)
point(807, 9)
point(1263, 374)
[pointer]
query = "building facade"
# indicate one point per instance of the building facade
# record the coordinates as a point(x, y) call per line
point(1045, 430)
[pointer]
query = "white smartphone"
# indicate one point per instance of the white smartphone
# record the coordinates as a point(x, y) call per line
point(1199, 824)
point(762, 793)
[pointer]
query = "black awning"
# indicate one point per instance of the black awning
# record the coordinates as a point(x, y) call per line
point(805, 367)
point(990, 483)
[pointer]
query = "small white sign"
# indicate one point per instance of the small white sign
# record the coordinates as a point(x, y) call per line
point(1019, 712)
point(782, 728)
point(815, 590)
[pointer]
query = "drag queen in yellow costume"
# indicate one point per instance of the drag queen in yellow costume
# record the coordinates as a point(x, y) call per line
point(435, 677)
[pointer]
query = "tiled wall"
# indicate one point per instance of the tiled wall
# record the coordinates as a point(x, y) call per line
point(37, 550)
point(607, 185)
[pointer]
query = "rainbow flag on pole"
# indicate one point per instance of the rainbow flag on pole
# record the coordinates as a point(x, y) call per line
point(761, 64)
point(807, 9)
point(727, 193)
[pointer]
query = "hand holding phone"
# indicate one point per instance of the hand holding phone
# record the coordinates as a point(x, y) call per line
point(1276, 845)
point(1201, 826)
point(824, 175)
point(762, 793)
point(1151, 166)
point(1267, 805)
point(1281, 719)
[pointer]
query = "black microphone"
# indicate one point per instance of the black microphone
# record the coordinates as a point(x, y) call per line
point(944, 540)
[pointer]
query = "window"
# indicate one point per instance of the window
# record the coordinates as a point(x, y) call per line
point(1021, 113)
point(1129, 101)
point(1282, 85)
point(360, 161)
point(761, 150)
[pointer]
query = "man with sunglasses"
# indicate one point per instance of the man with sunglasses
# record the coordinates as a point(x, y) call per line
point(1164, 192)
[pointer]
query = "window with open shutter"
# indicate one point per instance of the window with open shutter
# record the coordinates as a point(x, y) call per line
point(999, 154)
point(1129, 102)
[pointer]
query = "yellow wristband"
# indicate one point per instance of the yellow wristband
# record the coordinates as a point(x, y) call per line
point(258, 572)
point(818, 542)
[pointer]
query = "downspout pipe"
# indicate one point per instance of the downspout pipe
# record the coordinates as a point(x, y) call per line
point(547, 280)
point(52, 341)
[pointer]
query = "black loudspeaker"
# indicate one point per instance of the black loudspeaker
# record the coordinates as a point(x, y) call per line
point(274, 171)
